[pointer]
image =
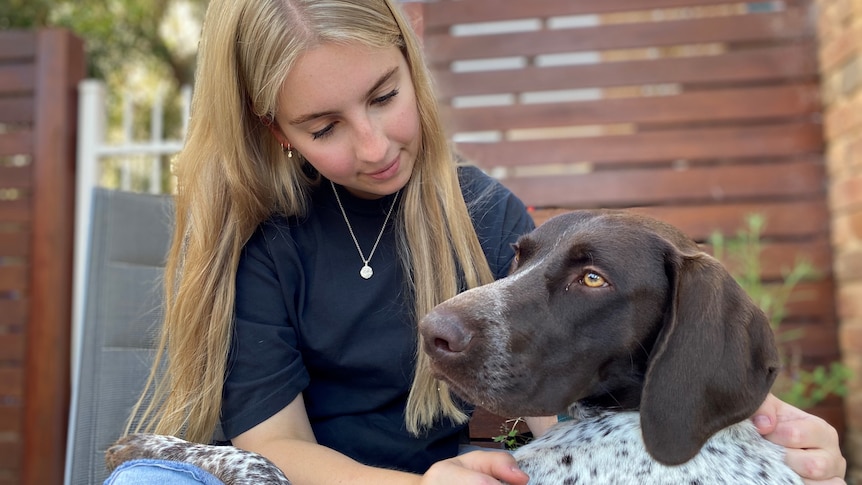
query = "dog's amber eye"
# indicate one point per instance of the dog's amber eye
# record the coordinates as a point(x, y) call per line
point(594, 280)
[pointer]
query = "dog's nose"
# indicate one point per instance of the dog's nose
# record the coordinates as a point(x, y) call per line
point(444, 333)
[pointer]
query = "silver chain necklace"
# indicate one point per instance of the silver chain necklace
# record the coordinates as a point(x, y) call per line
point(366, 271)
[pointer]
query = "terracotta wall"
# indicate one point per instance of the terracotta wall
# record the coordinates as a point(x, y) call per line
point(840, 32)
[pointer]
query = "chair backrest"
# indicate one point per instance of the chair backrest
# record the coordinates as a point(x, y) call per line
point(130, 234)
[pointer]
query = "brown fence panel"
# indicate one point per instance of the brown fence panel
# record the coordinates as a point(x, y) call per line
point(745, 104)
point(39, 73)
point(784, 25)
point(697, 112)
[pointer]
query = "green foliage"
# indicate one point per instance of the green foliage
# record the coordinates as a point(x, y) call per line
point(807, 388)
point(120, 35)
point(742, 254)
point(512, 437)
point(140, 49)
point(22, 14)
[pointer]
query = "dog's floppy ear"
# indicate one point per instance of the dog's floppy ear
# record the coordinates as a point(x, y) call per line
point(713, 363)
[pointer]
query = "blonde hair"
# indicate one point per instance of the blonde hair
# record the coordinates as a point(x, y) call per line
point(232, 175)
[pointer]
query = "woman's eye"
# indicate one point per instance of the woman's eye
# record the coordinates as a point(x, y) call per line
point(593, 280)
point(380, 101)
point(385, 98)
point(326, 131)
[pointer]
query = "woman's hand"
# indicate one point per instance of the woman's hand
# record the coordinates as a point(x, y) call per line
point(476, 468)
point(812, 444)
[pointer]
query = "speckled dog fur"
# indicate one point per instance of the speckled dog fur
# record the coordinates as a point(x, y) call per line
point(231, 465)
point(607, 448)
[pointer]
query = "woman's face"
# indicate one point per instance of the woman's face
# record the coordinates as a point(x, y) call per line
point(351, 111)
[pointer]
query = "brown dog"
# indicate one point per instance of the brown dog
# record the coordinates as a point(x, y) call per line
point(606, 312)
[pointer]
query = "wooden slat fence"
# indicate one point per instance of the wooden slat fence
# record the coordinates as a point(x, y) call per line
point(698, 112)
point(39, 72)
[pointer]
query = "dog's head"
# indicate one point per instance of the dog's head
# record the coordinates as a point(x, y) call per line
point(616, 310)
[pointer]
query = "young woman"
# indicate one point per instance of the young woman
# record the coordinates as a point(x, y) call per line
point(319, 214)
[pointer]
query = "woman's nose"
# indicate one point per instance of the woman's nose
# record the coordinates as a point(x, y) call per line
point(371, 141)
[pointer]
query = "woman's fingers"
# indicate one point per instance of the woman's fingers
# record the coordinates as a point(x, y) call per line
point(476, 468)
point(813, 450)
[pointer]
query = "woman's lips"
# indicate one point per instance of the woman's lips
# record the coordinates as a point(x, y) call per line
point(387, 172)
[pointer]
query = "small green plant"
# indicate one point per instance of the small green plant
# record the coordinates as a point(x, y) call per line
point(805, 389)
point(512, 437)
point(742, 254)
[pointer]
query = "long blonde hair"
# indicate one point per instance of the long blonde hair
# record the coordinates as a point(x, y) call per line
point(232, 175)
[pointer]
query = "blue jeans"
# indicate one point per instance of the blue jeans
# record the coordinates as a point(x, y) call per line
point(147, 472)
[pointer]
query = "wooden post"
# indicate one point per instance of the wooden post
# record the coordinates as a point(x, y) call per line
point(59, 68)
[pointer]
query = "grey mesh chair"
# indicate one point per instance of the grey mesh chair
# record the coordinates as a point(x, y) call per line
point(130, 235)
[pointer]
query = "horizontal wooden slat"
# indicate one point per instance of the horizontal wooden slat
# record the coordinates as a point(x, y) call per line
point(17, 78)
point(796, 218)
point(817, 341)
point(10, 456)
point(11, 349)
point(15, 177)
point(696, 107)
point(10, 418)
point(13, 278)
point(779, 257)
point(784, 219)
point(813, 301)
point(16, 143)
point(14, 244)
point(13, 314)
point(18, 211)
point(10, 430)
point(630, 187)
point(694, 144)
point(17, 44)
point(786, 25)
point(445, 13)
point(755, 65)
point(17, 110)
point(11, 382)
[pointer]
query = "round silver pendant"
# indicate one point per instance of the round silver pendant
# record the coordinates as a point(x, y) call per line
point(366, 272)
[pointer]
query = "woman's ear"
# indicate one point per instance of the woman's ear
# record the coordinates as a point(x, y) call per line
point(271, 124)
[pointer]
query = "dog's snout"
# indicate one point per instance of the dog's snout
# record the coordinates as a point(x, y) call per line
point(444, 333)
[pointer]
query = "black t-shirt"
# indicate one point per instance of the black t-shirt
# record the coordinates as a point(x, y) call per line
point(306, 322)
